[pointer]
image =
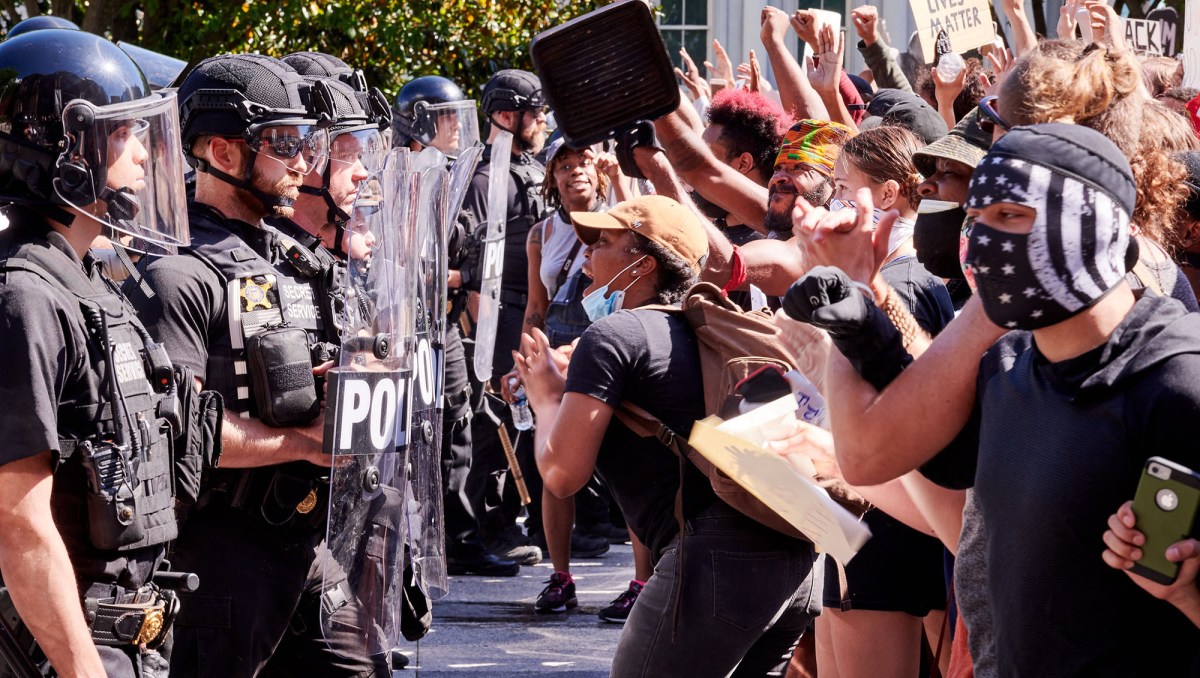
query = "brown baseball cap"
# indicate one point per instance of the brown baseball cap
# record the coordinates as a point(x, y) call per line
point(656, 217)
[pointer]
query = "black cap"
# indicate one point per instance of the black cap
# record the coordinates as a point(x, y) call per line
point(1191, 160)
point(512, 90)
point(909, 111)
point(1078, 151)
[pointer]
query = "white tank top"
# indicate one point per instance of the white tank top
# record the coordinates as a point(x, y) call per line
point(556, 245)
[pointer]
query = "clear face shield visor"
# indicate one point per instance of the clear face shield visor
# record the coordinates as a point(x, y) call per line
point(365, 146)
point(123, 167)
point(300, 146)
point(453, 127)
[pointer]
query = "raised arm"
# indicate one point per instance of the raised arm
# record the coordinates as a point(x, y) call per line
point(703, 171)
point(795, 92)
point(875, 52)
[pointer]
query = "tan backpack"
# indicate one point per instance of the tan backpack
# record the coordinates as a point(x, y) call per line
point(733, 343)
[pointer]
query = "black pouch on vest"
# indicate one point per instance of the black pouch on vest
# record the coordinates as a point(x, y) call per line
point(112, 495)
point(280, 366)
point(198, 446)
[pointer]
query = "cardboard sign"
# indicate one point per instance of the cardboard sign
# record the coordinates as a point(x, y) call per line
point(1144, 36)
point(1191, 44)
point(968, 23)
point(1172, 37)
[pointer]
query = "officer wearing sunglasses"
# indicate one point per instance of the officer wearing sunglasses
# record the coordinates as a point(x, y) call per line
point(244, 309)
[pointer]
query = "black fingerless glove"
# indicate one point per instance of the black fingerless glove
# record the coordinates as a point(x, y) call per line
point(826, 298)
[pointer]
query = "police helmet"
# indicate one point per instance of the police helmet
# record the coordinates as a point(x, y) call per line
point(355, 137)
point(318, 65)
point(512, 90)
point(80, 127)
point(37, 23)
point(262, 101)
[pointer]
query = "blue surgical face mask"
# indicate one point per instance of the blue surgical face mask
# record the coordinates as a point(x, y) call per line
point(597, 306)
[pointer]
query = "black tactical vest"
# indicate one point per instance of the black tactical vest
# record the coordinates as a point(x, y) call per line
point(112, 484)
point(289, 285)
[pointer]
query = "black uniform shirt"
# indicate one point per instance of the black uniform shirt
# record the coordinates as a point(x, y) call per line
point(44, 344)
point(189, 313)
point(45, 351)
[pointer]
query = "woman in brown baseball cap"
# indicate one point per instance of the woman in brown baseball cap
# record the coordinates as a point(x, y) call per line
point(744, 593)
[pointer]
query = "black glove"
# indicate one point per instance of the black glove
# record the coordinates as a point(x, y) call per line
point(826, 298)
point(641, 134)
point(471, 268)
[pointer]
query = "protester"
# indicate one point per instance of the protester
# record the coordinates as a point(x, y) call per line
point(896, 579)
point(1097, 347)
point(653, 249)
point(1100, 88)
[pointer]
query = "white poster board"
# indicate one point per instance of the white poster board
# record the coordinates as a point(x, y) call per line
point(776, 483)
point(968, 24)
point(1144, 36)
point(1191, 44)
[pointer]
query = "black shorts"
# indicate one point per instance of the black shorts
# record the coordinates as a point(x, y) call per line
point(898, 570)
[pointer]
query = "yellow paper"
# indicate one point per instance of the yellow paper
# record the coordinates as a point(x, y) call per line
point(771, 479)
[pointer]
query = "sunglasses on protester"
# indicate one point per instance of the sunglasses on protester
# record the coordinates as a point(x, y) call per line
point(989, 117)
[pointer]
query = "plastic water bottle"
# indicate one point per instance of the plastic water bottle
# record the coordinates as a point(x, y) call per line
point(1084, 18)
point(950, 65)
point(521, 413)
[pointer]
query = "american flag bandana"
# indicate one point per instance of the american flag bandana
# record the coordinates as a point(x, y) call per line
point(1076, 250)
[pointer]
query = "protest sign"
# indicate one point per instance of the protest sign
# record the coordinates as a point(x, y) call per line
point(776, 482)
point(1191, 44)
point(968, 24)
point(1144, 36)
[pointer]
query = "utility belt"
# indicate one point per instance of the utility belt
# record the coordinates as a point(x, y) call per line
point(286, 496)
point(119, 617)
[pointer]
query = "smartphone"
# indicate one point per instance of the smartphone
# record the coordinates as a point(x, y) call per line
point(1165, 508)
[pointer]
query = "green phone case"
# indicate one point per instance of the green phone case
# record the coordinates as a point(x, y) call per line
point(1165, 508)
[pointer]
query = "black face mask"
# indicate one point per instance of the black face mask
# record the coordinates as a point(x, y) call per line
point(709, 209)
point(936, 237)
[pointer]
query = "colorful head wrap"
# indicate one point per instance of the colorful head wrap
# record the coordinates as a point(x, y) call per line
point(816, 143)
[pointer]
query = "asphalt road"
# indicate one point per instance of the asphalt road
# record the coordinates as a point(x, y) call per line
point(487, 626)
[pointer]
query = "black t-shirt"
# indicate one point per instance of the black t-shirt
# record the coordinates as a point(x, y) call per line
point(651, 359)
point(44, 345)
point(48, 371)
point(1052, 450)
point(924, 293)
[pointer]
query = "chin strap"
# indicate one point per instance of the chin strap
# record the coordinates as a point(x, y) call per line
point(269, 202)
point(335, 214)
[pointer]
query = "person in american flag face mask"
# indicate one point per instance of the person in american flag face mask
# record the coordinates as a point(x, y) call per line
point(1051, 224)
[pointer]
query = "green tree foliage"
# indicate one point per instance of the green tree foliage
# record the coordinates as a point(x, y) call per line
point(393, 41)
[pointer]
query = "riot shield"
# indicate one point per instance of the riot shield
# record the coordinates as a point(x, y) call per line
point(366, 426)
point(426, 530)
point(493, 258)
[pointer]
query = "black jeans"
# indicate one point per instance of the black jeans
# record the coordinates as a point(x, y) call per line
point(747, 595)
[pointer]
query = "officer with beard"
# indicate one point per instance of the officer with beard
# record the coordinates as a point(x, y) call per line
point(512, 102)
point(244, 309)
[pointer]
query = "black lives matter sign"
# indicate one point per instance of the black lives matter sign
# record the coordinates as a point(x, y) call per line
point(968, 24)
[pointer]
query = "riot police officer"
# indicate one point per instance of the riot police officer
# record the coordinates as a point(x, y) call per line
point(86, 486)
point(512, 102)
point(433, 111)
point(248, 309)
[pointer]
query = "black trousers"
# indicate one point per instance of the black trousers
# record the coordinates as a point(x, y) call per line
point(461, 524)
point(494, 495)
point(258, 606)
